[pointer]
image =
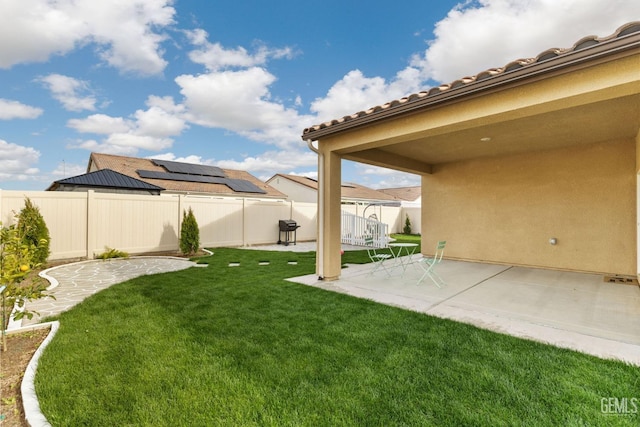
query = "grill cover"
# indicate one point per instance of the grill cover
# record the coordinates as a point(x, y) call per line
point(287, 225)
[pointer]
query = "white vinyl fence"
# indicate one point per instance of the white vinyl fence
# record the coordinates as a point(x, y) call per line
point(82, 224)
point(356, 230)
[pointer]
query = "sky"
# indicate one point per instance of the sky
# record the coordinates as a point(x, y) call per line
point(234, 84)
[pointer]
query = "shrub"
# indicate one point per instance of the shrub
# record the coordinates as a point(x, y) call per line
point(189, 234)
point(34, 231)
point(407, 225)
point(112, 253)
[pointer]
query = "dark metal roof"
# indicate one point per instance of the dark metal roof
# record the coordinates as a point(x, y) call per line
point(106, 178)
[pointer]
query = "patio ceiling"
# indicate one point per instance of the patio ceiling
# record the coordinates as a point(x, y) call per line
point(606, 120)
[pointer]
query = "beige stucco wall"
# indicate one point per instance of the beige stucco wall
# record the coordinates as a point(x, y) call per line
point(505, 209)
point(295, 192)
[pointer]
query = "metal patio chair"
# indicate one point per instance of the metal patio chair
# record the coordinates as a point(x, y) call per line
point(377, 256)
point(428, 265)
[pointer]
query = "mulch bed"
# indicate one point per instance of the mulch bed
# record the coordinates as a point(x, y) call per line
point(13, 363)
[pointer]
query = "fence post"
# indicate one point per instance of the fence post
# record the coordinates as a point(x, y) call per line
point(244, 221)
point(91, 226)
point(180, 207)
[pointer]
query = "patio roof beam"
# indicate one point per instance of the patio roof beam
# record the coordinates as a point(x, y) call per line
point(385, 159)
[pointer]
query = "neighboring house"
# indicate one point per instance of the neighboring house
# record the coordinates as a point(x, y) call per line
point(410, 196)
point(534, 164)
point(105, 181)
point(111, 173)
point(303, 189)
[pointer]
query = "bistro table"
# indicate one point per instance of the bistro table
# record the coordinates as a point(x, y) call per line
point(402, 253)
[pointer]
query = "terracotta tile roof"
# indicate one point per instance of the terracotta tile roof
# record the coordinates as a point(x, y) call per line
point(485, 79)
point(350, 191)
point(130, 165)
point(404, 193)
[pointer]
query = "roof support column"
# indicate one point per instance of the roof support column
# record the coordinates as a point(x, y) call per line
point(638, 203)
point(328, 262)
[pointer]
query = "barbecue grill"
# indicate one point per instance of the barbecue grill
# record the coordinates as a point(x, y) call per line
point(287, 226)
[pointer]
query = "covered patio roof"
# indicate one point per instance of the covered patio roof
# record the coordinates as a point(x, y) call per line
point(558, 98)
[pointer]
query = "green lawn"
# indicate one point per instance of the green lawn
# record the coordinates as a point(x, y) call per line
point(241, 346)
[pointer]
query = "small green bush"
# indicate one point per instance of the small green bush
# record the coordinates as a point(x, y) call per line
point(189, 234)
point(407, 225)
point(34, 231)
point(112, 253)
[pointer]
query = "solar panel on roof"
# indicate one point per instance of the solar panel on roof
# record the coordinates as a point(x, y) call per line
point(238, 185)
point(243, 186)
point(190, 168)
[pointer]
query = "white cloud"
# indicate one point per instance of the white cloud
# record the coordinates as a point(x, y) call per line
point(68, 91)
point(265, 165)
point(102, 147)
point(355, 92)
point(163, 118)
point(216, 57)
point(479, 35)
point(124, 32)
point(149, 129)
point(100, 124)
point(240, 101)
point(192, 158)
point(16, 161)
point(16, 110)
point(64, 170)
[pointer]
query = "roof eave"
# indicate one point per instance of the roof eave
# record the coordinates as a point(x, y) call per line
point(576, 59)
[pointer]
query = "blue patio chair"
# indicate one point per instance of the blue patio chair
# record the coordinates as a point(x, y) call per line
point(376, 255)
point(428, 265)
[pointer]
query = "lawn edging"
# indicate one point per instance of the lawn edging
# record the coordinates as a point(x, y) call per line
point(32, 412)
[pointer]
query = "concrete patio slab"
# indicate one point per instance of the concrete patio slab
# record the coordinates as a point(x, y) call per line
point(567, 309)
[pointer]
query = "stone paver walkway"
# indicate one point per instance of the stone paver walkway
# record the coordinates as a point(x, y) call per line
point(72, 283)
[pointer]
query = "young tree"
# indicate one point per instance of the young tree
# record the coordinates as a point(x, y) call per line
point(34, 231)
point(189, 234)
point(16, 261)
point(407, 225)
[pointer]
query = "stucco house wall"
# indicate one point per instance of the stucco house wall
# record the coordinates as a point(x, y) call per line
point(294, 191)
point(506, 209)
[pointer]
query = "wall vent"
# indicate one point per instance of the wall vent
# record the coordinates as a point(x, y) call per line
point(627, 280)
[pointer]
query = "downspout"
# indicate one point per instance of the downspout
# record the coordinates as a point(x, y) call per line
point(320, 238)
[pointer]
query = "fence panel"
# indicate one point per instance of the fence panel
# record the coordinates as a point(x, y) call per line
point(220, 220)
point(392, 215)
point(132, 223)
point(306, 215)
point(261, 221)
point(414, 214)
point(64, 213)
